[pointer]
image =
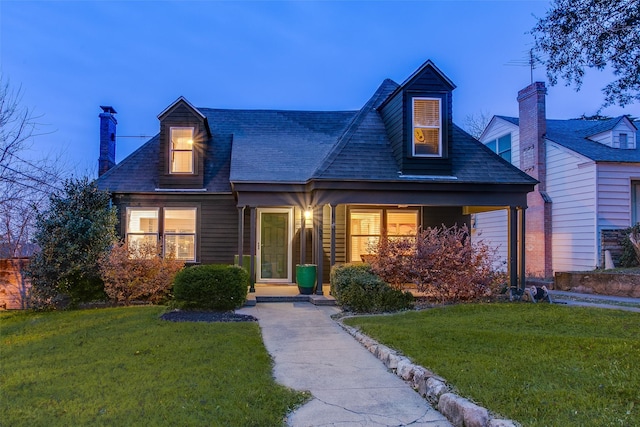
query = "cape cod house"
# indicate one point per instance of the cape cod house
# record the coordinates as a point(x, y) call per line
point(292, 187)
point(589, 174)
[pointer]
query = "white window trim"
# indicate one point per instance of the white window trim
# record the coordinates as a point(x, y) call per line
point(134, 233)
point(413, 127)
point(194, 234)
point(172, 150)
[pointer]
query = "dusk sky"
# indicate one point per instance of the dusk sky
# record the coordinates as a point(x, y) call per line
point(140, 56)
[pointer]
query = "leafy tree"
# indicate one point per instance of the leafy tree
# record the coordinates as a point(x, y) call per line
point(579, 34)
point(73, 234)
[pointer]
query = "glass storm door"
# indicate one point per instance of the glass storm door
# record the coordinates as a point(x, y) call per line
point(274, 245)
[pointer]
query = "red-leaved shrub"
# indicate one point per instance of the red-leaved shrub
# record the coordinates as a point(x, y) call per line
point(441, 261)
point(138, 273)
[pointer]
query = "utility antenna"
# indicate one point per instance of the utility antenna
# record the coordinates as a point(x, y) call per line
point(528, 62)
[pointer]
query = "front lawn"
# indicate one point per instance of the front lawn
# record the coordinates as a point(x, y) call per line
point(538, 364)
point(125, 366)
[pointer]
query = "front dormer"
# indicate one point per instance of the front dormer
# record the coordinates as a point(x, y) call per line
point(621, 136)
point(184, 135)
point(418, 118)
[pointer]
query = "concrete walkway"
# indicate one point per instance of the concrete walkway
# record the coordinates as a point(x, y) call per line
point(350, 387)
point(595, 300)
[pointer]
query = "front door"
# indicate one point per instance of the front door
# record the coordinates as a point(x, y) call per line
point(274, 245)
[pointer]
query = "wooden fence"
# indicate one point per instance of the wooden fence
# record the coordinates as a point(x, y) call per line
point(14, 287)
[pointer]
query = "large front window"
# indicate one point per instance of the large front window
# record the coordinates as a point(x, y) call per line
point(181, 150)
point(367, 225)
point(142, 228)
point(177, 226)
point(180, 233)
point(427, 127)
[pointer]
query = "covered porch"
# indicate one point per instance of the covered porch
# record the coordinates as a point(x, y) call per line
point(319, 223)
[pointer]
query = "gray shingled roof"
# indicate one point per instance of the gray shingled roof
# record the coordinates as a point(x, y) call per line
point(573, 134)
point(277, 146)
point(139, 171)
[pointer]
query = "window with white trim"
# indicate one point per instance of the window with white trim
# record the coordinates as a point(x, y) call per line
point(176, 225)
point(180, 233)
point(142, 227)
point(427, 127)
point(181, 151)
point(365, 228)
point(501, 146)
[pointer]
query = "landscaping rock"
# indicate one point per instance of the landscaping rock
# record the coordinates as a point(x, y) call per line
point(392, 361)
point(433, 389)
point(462, 412)
point(405, 369)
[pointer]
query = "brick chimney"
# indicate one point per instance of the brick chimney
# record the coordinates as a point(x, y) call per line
point(533, 161)
point(108, 123)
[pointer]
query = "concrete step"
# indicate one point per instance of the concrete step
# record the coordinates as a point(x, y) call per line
point(253, 299)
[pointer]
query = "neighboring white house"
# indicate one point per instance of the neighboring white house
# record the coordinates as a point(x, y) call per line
point(589, 174)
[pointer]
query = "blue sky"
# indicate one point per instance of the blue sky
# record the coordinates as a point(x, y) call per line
point(140, 56)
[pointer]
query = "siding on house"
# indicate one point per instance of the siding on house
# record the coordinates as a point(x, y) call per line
point(570, 184)
point(492, 227)
point(216, 223)
point(614, 194)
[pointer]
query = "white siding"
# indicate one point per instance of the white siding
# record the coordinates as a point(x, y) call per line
point(571, 186)
point(614, 195)
point(491, 227)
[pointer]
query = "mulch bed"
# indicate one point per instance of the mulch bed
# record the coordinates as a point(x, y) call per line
point(206, 316)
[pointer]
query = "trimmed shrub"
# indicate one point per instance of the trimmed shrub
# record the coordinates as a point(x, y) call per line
point(356, 288)
point(211, 287)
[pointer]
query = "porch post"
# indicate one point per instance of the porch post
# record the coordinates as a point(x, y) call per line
point(522, 266)
point(332, 259)
point(252, 248)
point(513, 246)
point(240, 234)
point(303, 237)
point(317, 220)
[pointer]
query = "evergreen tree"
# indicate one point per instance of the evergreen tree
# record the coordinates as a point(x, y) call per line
point(73, 233)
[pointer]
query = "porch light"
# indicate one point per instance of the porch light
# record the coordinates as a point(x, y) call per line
point(308, 218)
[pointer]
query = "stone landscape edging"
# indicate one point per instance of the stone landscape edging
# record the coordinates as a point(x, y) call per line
point(461, 412)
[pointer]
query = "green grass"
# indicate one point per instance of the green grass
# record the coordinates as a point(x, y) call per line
point(125, 366)
point(538, 364)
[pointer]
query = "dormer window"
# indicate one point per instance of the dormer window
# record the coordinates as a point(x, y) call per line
point(624, 143)
point(181, 155)
point(427, 127)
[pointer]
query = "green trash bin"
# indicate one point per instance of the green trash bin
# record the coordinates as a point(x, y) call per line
point(306, 278)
